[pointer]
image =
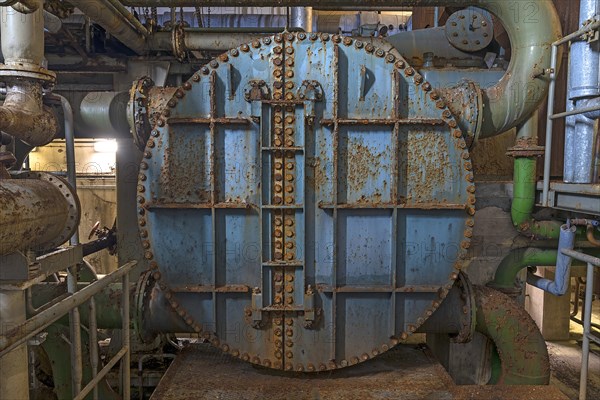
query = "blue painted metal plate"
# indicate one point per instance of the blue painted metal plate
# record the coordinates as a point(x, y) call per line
point(306, 201)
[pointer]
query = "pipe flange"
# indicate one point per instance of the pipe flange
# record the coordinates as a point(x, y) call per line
point(468, 318)
point(141, 300)
point(469, 30)
point(178, 41)
point(526, 147)
point(74, 214)
point(30, 71)
point(138, 111)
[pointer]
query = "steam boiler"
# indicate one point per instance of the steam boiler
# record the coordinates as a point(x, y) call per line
point(301, 198)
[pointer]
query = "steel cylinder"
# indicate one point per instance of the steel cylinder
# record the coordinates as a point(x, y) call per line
point(106, 112)
point(22, 36)
point(33, 213)
point(585, 58)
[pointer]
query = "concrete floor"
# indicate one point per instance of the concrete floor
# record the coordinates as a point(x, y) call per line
point(565, 360)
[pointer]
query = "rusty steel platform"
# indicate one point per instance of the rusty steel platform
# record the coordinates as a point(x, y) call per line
point(407, 372)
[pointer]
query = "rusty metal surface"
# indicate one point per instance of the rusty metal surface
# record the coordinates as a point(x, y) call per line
point(39, 211)
point(406, 373)
point(305, 201)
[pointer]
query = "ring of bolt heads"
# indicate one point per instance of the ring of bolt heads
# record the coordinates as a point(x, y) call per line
point(391, 56)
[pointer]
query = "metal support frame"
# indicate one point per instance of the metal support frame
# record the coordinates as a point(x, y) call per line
point(594, 26)
point(592, 262)
point(31, 327)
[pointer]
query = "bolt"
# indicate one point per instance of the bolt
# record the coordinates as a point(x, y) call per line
point(267, 41)
point(214, 63)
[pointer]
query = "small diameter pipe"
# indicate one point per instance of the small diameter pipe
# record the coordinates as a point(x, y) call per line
point(590, 235)
point(70, 153)
point(560, 284)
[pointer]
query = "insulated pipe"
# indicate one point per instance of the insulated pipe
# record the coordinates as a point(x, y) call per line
point(106, 112)
point(560, 285)
point(523, 354)
point(114, 21)
point(584, 83)
point(301, 17)
point(202, 41)
point(32, 213)
point(505, 105)
point(23, 37)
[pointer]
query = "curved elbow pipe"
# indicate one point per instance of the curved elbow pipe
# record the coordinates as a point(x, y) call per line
point(521, 347)
point(560, 284)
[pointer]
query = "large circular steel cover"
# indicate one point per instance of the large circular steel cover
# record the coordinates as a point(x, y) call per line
point(306, 201)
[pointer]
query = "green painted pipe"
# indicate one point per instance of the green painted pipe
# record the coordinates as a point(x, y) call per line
point(521, 347)
point(517, 259)
point(524, 189)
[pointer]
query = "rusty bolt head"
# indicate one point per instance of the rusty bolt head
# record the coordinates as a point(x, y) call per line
point(267, 41)
point(470, 178)
point(347, 41)
point(144, 165)
point(452, 123)
point(470, 223)
point(400, 64)
point(235, 52)
point(325, 37)
point(141, 200)
point(369, 48)
point(471, 189)
point(151, 144)
point(196, 78)
point(256, 44)
point(289, 50)
point(179, 93)
point(465, 244)
point(172, 103)
point(336, 39)
point(160, 122)
point(427, 86)
point(418, 79)
point(214, 63)
point(358, 44)
point(166, 113)
point(147, 154)
point(468, 166)
point(435, 96)
point(289, 300)
point(279, 38)
point(446, 114)
point(245, 48)
point(205, 70)
point(187, 86)
point(289, 354)
point(141, 188)
point(289, 367)
point(154, 133)
point(278, 61)
point(471, 211)
point(267, 363)
point(468, 233)
point(148, 255)
point(390, 58)
point(277, 50)
point(457, 134)
point(144, 234)
point(409, 71)
point(441, 104)
point(289, 74)
point(301, 35)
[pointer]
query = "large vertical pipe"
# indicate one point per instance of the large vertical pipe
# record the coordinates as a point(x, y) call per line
point(302, 17)
point(584, 83)
point(22, 36)
point(23, 115)
point(14, 379)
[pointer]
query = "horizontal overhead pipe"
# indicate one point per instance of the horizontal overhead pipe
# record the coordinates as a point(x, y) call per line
point(201, 41)
point(115, 20)
point(505, 105)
